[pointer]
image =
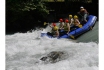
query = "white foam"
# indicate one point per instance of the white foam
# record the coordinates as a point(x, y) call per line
point(23, 51)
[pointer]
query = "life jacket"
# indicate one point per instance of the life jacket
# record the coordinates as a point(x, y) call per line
point(76, 22)
point(53, 31)
point(65, 27)
point(61, 24)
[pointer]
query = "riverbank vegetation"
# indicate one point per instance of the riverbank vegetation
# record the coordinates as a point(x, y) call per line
point(23, 15)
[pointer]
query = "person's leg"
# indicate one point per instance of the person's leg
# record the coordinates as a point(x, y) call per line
point(63, 33)
point(85, 17)
point(73, 28)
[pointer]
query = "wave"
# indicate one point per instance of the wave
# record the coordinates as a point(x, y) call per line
point(24, 50)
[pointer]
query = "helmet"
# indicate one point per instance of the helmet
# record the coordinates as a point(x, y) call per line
point(54, 24)
point(61, 20)
point(75, 16)
point(66, 20)
point(70, 16)
point(55, 28)
point(81, 7)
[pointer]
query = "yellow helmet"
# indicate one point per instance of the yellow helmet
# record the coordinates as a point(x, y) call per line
point(55, 28)
point(70, 16)
point(75, 17)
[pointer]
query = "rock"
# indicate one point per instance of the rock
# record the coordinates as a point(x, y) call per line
point(53, 56)
point(43, 58)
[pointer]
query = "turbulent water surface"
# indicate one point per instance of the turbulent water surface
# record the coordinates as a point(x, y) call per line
point(24, 50)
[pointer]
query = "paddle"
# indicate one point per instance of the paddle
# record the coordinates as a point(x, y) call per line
point(45, 23)
point(80, 25)
point(71, 36)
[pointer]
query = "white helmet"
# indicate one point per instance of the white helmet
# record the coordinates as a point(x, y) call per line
point(81, 7)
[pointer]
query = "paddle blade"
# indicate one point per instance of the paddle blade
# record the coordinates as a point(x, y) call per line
point(80, 25)
point(45, 23)
point(72, 37)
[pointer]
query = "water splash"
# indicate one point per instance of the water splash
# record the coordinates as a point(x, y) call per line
point(24, 50)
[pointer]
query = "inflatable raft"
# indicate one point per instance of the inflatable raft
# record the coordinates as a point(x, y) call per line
point(78, 31)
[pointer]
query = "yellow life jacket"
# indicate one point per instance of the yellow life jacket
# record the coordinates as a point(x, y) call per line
point(77, 23)
point(65, 27)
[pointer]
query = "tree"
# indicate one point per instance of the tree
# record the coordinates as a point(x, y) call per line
point(20, 13)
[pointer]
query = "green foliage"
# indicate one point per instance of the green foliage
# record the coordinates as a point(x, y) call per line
point(26, 5)
point(84, 1)
point(24, 13)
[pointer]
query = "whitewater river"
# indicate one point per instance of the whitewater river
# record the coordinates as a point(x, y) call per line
point(24, 50)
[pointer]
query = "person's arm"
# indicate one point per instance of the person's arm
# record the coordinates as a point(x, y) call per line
point(51, 26)
point(68, 26)
point(62, 24)
point(85, 11)
point(79, 25)
point(85, 17)
point(77, 21)
point(71, 22)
